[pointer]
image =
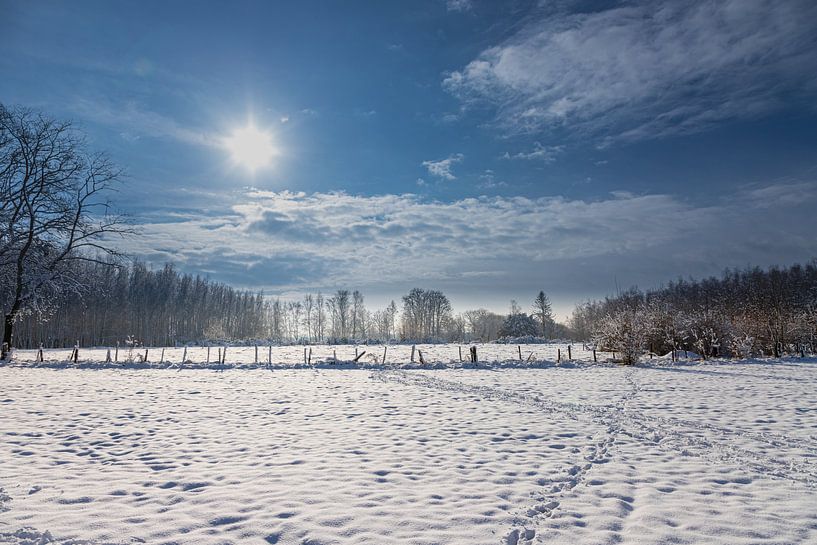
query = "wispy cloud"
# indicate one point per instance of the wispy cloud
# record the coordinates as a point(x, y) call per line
point(487, 180)
point(135, 122)
point(290, 241)
point(646, 69)
point(442, 167)
point(539, 152)
point(459, 5)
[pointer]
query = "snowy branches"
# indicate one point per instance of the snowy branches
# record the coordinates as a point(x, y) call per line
point(744, 313)
point(53, 211)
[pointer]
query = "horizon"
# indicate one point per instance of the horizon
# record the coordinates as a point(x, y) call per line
point(486, 151)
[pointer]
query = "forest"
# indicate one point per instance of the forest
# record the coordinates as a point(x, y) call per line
point(744, 313)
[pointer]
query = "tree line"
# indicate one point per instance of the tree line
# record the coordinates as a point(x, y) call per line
point(750, 312)
point(164, 306)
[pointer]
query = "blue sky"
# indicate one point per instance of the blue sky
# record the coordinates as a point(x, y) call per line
point(488, 149)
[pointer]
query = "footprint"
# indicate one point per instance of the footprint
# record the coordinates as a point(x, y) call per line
point(222, 521)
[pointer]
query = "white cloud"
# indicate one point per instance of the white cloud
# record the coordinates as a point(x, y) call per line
point(539, 152)
point(459, 5)
point(646, 69)
point(442, 168)
point(488, 181)
point(291, 241)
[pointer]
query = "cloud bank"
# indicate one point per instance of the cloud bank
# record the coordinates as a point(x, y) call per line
point(646, 69)
point(288, 242)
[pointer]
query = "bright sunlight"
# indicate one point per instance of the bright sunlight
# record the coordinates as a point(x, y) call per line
point(251, 147)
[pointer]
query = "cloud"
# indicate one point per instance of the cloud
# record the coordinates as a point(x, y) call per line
point(442, 168)
point(136, 122)
point(459, 5)
point(539, 152)
point(286, 242)
point(645, 69)
point(487, 180)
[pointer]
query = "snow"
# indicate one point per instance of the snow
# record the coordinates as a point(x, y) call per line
point(435, 355)
point(709, 453)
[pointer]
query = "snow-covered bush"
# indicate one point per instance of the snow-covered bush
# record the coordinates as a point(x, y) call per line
point(625, 332)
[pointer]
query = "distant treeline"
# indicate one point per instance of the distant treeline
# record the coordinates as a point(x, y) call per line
point(743, 313)
point(750, 312)
point(165, 307)
point(157, 307)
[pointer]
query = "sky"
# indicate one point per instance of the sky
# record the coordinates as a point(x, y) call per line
point(486, 149)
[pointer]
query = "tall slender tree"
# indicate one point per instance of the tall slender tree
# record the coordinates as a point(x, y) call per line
point(543, 312)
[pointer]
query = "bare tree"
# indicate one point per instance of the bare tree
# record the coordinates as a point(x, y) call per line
point(54, 212)
point(425, 312)
point(340, 306)
point(320, 317)
point(358, 315)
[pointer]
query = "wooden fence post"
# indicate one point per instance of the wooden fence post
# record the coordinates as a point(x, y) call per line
point(412, 353)
point(519, 349)
point(558, 355)
point(474, 354)
point(208, 355)
point(162, 357)
point(569, 355)
point(595, 360)
point(256, 354)
point(384, 354)
point(309, 358)
point(40, 353)
point(116, 353)
point(460, 349)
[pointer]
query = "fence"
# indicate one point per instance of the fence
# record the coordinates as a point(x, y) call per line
point(297, 354)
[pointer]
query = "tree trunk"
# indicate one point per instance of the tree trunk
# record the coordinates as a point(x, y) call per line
point(8, 329)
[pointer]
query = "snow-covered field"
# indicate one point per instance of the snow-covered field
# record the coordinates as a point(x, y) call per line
point(716, 453)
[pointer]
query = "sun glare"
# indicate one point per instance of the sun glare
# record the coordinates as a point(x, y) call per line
point(251, 147)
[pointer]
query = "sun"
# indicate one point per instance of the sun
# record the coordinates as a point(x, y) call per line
point(251, 147)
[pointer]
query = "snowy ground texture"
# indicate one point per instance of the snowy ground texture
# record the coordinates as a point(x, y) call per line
point(709, 453)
